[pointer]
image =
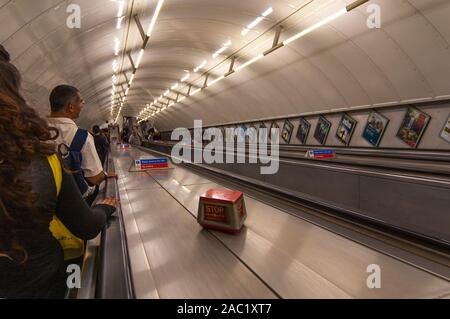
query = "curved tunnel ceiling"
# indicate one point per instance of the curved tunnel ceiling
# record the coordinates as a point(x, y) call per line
point(342, 65)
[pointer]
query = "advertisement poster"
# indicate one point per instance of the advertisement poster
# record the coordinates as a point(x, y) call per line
point(375, 128)
point(322, 130)
point(413, 127)
point(286, 134)
point(345, 129)
point(274, 125)
point(446, 130)
point(303, 130)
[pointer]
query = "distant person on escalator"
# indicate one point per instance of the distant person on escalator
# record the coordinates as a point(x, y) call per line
point(125, 135)
point(151, 134)
point(134, 139)
point(101, 143)
point(66, 105)
point(31, 259)
point(106, 134)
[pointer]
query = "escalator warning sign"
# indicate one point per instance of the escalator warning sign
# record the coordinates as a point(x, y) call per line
point(215, 213)
point(151, 163)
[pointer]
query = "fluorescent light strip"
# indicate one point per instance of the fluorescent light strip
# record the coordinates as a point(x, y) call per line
point(195, 91)
point(149, 33)
point(186, 77)
point(155, 17)
point(267, 12)
point(119, 23)
point(315, 26)
point(121, 7)
point(255, 23)
point(201, 66)
point(221, 50)
point(246, 64)
point(132, 78)
point(116, 46)
point(139, 59)
point(216, 80)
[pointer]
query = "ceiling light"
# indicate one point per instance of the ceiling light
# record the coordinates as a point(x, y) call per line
point(201, 66)
point(196, 91)
point(222, 49)
point(186, 77)
point(139, 59)
point(119, 23)
point(121, 7)
point(315, 26)
point(216, 80)
point(246, 64)
point(267, 12)
point(155, 17)
point(116, 46)
point(115, 66)
point(255, 23)
point(132, 78)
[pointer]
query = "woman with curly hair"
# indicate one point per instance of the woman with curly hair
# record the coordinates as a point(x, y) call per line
point(31, 259)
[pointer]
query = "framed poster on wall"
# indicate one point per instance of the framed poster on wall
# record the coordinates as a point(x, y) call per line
point(413, 126)
point(346, 128)
point(375, 128)
point(303, 130)
point(322, 130)
point(274, 125)
point(286, 134)
point(445, 134)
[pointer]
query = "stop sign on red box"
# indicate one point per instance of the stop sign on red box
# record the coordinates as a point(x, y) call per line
point(222, 210)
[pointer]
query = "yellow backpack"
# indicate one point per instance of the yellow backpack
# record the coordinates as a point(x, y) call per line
point(73, 246)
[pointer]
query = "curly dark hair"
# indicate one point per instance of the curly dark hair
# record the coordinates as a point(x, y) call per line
point(24, 136)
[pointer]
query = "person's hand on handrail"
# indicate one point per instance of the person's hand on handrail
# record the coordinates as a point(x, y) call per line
point(110, 201)
point(111, 175)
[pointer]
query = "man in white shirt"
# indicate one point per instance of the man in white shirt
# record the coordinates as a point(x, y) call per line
point(66, 105)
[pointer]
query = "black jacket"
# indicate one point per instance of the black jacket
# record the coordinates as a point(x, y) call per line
point(44, 274)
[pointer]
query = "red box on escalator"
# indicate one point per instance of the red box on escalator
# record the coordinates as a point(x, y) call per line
point(222, 210)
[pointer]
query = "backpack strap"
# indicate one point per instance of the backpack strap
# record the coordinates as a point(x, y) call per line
point(79, 140)
point(56, 170)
